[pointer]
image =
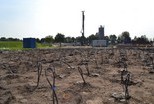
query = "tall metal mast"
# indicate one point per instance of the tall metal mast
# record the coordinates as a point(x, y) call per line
point(83, 17)
point(83, 38)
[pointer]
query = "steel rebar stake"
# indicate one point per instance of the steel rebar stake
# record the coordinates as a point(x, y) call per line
point(53, 87)
point(126, 83)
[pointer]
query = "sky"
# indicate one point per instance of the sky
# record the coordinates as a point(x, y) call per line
point(40, 18)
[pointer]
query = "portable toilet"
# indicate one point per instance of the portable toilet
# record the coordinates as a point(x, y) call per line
point(29, 43)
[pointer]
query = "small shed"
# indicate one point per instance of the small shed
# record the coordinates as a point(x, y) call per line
point(29, 43)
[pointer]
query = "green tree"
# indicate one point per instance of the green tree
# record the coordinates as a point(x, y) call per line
point(126, 37)
point(113, 38)
point(3, 39)
point(68, 39)
point(79, 39)
point(141, 40)
point(73, 39)
point(38, 40)
point(59, 38)
point(49, 39)
point(92, 37)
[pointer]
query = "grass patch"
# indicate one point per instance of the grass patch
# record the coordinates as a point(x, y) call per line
point(6, 45)
point(39, 45)
point(18, 45)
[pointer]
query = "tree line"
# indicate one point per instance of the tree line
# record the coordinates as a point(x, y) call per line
point(124, 38)
point(9, 39)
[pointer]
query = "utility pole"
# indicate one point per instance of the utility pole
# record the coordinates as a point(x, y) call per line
point(83, 38)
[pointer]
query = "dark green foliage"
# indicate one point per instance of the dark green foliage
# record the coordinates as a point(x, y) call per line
point(49, 39)
point(59, 38)
point(141, 40)
point(124, 38)
point(92, 37)
point(113, 38)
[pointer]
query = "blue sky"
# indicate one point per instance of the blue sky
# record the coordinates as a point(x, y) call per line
point(39, 18)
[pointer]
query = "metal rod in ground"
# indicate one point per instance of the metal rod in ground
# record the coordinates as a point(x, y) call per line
point(67, 64)
point(54, 96)
point(152, 62)
point(87, 68)
point(39, 71)
point(81, 73)
point(127, 80)
point(122, 73)
point(54, 87)
point(125, 66)
point(96, 63)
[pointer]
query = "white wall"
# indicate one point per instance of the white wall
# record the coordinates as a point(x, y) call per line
point(99, 43)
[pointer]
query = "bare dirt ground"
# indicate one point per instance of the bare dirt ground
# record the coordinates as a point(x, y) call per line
point(19, 76)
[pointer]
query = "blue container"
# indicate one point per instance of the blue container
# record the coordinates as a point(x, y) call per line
point(29, 43)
